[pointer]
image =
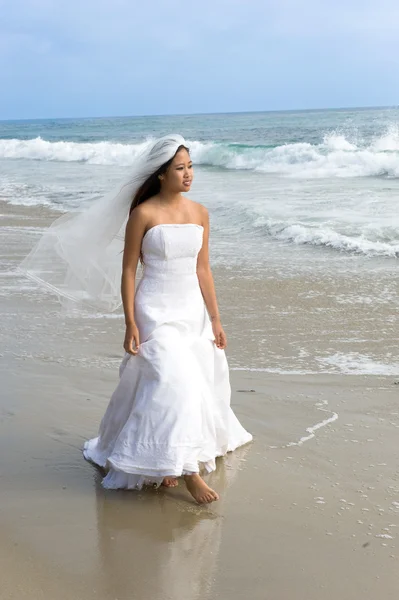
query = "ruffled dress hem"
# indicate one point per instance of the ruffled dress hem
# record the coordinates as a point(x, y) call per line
point(134, 477)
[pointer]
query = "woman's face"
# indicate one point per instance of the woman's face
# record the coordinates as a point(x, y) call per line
point(179, 176)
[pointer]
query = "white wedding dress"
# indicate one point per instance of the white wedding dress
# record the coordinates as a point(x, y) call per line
point(170, 413)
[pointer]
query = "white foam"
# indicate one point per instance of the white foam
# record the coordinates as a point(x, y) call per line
point(340, 363)
point(99, 153)
point(33, 201)
point(335, 156)
point(355, 363)
point(94, 316)
point(319, 234)
point(275, 371)
point(389, 141)
point(24, 228)
point(311, 430)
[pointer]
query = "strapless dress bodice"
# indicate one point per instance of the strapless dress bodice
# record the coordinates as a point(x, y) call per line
point(171, 249)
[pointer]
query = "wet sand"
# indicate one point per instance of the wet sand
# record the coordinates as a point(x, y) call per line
point(308, 510)
point(295, 520)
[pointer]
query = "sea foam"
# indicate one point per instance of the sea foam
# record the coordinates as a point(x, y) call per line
point(320, 234)
point(334, 156)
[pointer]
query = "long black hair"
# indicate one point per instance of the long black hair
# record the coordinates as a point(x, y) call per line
point(152, 186)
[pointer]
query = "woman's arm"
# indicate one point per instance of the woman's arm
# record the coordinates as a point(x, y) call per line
point(134, 234)
point(207, 284)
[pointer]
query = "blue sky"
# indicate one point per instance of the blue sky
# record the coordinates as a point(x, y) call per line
point(130, 57)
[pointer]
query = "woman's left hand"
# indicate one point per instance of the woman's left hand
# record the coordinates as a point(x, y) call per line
point(220, 336)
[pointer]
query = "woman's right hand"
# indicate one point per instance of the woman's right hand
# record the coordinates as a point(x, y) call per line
point(132, 339)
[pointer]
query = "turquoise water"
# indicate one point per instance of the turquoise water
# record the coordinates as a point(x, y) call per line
point(296, 188)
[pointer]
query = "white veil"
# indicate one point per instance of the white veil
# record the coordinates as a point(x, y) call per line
point(79, 257)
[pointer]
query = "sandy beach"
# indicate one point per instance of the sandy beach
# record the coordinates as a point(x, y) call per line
point(308, 510)
point(310, 519)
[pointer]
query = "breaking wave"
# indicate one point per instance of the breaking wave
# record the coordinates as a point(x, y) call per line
point(382, 242)
point(335, 156)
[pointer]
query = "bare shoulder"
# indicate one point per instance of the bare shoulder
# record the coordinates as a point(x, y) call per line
point(139, 212)
point(141, 215)
point(200, 211)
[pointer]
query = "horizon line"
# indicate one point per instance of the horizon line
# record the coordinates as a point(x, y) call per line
point(200, 114)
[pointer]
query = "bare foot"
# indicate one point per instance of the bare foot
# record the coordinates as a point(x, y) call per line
point(201, 492)
point(170, 482)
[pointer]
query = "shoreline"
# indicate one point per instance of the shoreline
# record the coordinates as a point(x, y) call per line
point(283, 322)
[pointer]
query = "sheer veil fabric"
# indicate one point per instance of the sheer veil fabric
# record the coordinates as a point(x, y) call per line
point(79, 257)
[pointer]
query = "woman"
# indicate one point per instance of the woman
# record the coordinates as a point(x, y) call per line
point(170, 414)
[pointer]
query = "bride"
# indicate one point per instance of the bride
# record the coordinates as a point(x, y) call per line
point(170, 414)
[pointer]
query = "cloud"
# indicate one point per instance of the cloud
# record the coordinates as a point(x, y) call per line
point(112, 56)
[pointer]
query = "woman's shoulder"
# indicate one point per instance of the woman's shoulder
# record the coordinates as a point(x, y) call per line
point(143, 210)
point(200, 209)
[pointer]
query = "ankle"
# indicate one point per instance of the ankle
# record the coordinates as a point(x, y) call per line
point(191, 477)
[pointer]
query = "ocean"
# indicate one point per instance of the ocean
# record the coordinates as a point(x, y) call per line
point(307, 196)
